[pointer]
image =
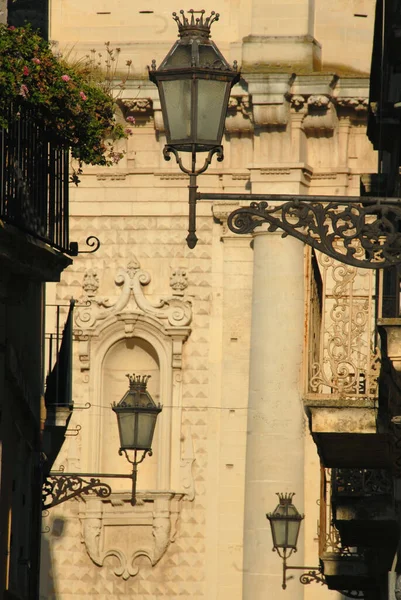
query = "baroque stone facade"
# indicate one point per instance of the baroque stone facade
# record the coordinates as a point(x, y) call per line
point(222, 337)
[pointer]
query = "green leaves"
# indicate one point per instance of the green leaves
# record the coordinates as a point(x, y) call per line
point(76, 108)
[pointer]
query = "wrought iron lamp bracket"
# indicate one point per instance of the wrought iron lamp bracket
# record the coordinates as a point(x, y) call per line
point(168, 150)
point(193, 172)
point(362, 232)
point(62, 487)
point(311, 574)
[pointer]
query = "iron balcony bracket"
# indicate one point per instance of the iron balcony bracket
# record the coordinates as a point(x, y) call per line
point(362, 232)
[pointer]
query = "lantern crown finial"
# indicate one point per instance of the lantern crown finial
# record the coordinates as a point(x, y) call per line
point(195, 26)
point(138, 382)
point(285, 498)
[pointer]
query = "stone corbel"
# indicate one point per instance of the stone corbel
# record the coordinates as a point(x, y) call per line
point(321, 115)
point(239, 116)
point(136, 108)
point(298, 103)
point(352, 106)
point(269, 99)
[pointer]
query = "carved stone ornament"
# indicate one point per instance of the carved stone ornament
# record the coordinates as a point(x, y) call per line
point(178, 281)
point(321, 115)
point(112, 530)
point(360, 105)
point(137, 107)
point(239, 115)
point(173, 311)
point(298, 102)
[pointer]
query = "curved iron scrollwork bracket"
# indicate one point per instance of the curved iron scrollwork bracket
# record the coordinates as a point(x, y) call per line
point(361, 234)
point(193, 172)
point(59, 488)
point(93, 242)
point(314, 575)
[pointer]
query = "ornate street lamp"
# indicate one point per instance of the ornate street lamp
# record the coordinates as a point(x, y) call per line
point(194, 82)
point(136, 416)
point(285, 522)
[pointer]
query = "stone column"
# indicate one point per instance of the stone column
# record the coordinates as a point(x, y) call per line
point(275, 444)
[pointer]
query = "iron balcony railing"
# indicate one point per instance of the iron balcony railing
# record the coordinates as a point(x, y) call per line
point(34, 179)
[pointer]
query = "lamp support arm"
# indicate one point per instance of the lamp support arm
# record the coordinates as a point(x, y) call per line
point(361, 231)
point(312, 574)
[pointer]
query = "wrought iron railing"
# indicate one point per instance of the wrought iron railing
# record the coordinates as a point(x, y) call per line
point(361, 483)
point(34, 179)
point(343, 361)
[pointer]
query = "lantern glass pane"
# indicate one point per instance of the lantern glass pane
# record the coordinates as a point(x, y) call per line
point(126, 425)
point(279, 531)
point(177, 95)
point(211, 109)
point(180, 57)
point(146, 427)
point(208, 56)
point(293, 530)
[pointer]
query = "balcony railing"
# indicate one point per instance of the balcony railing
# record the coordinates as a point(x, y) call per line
point(34, 180)
point(343, 361)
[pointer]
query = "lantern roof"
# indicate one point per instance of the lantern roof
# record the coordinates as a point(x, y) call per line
point(285, 509)
point(137, 396)
point(194, 48)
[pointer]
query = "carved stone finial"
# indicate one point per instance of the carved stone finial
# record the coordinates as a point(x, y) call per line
point(195, 27)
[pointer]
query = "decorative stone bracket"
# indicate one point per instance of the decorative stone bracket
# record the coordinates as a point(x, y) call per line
point(111, 529)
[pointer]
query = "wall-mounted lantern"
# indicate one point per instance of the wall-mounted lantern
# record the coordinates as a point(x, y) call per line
point(136, 416)
point(285, 522)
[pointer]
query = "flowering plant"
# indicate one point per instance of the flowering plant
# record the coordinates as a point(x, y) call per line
point(76, 109)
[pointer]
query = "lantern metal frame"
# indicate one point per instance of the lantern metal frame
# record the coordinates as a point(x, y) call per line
point(311, 574)
point(60, 486)
point(360, 231)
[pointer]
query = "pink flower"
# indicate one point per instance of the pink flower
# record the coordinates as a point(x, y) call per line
point(36, 61)
point(25, 70)
point(65, 77)
point(128, 131)
point(23, 91)
point(83, 96)
point(11, 28)
point(131, 119)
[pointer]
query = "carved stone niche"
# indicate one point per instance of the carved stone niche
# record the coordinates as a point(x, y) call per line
point(113, 330)
point(116, 536)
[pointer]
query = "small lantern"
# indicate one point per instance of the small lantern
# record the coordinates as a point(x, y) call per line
point(194, 82)
point(136, 415)
point(285, 523)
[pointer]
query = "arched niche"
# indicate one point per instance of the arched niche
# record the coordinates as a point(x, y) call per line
point(114, 347)
point(129, 355)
